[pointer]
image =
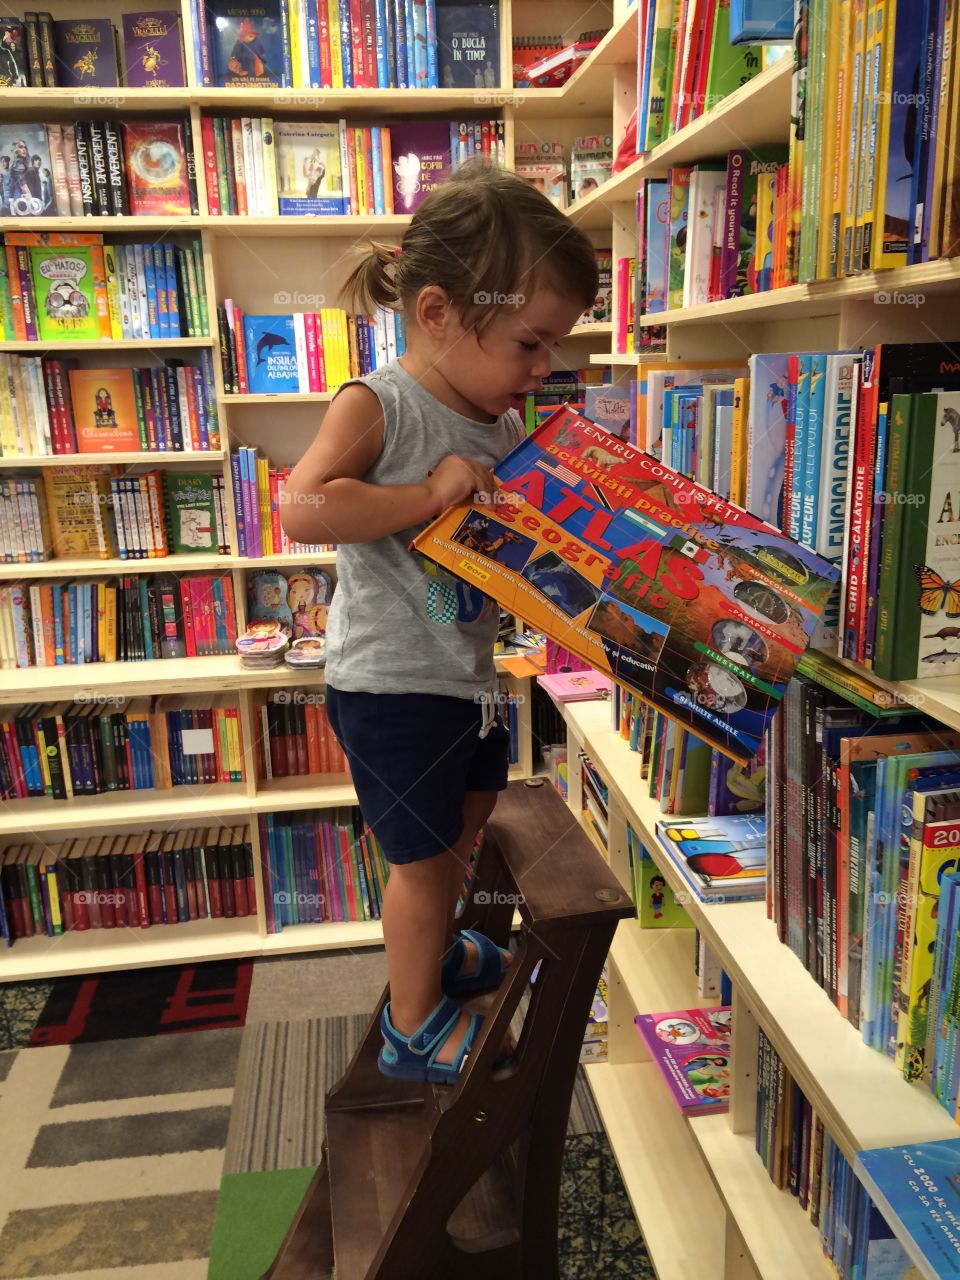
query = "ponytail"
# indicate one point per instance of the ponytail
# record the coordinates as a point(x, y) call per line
point(373, 281)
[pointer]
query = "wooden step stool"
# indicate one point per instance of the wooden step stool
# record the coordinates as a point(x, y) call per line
point(423, 1182)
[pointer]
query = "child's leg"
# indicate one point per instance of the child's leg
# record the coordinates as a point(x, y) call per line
point(477, 808)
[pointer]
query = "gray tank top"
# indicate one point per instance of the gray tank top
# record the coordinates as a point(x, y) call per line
point(398, 623)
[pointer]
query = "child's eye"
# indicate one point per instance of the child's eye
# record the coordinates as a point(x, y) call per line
point(529, 346)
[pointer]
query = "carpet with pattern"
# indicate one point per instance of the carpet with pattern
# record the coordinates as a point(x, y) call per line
point(149, 1118)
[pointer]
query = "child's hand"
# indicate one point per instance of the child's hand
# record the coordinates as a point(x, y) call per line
point(457, 479)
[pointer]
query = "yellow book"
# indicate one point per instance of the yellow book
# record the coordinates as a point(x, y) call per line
point(829, 139)
point(361, 170)
point(110, 624)
point(53, 892)
point(889, 20)
point(8, 436)
point(42, 749)
point(113, 292)
point(59, 711)
point(336, 54)
point(101, 606)
point(869, 133)
point(343, 345)
point(293, 26)
point(263, 502)
point(741, 417)
point(233, 744)
point(857, 58)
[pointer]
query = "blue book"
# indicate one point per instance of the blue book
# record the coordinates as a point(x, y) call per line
point(658, 214)
point(87, 623)
point(411, 34)
point(643, 95)
point(381, 36)
point(150, 276)
point(761, 21)
point(58, 636)
point(917, 1189)
point(271, 354)
point(811, 458)
point(798, 410)
point(173, 305)
point(433, 70)
point(247, 44)
point(72, 611)
point(397, 23)
point(921, 121)
point(898, 211)
point(930, 116)
point(346, 41)
point(769, 406)
point(376, 135)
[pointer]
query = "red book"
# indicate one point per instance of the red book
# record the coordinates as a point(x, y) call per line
point(241, 351)
point(356, 46)
point(698, 102)
point(321, 362)
point(186, 604)
point(313, 369)
point(155, 163)
point(210, 164)
point(326, 56)
point(134, 851)
point(230, 616)
point(370, 45)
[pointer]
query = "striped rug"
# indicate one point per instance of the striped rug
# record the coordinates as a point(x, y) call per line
point(116, 1154)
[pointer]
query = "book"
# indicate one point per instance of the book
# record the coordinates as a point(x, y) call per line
point(691, 1048)
point(155, 163)
point(248, 45)
point(697, 606)
point(105, 410)
point(65, 285)
point(542, 165)
point(271, 354)
point(26, 174)
point(190, 510)
point(153, 50)
point(468, 45)
point(721, 859)
point(309, 178)
point(421, 161)
point(917, 1188)
point(658, 907)
point(575, 686)
point(13, 54)
point(86, 53)
point(77, 502)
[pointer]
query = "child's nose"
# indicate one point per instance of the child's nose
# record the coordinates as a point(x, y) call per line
point(541, 363)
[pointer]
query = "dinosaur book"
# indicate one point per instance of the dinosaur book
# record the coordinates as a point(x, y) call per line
point(690, 601)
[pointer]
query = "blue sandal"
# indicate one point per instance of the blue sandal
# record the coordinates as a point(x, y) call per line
point(490, 969)
point(414, 1057)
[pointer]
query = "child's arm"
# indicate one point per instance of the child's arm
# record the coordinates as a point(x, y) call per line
point(326, 500)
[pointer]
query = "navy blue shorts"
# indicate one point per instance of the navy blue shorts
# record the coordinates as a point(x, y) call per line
point(413, 757)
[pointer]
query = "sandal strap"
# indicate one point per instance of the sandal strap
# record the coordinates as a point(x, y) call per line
point(490, 966)
point(432, 1033)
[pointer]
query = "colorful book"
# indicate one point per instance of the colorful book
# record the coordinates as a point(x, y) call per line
point(153, 50)
point(105, 410)
point(721, 859)
point(271, 345)
point(421, 161)
point(309, 177)
point(28, 190)
point(917, 1188)
point(691, 1048)
point(575, 686)
point(155, 161)
point(468, 46)
point(248, 45)
point(86, 53)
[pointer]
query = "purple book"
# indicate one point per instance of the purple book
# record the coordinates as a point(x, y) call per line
point(732, 210)
point(421, 161)
point(153, 50)
point(86, 52)
point(691, 1048)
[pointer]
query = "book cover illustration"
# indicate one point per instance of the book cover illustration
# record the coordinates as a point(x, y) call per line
point(309, 178)
point(657, 905)
point(468, 45)
point(575, 686)
point(609, 407)
point(271, 354)
point(691, 1048)
point(769, 407)
point(105, 410)
point(86, 53)
point(78, 501)
point(720, 858)
point(13, 54)
point(421, 161)
point(156, 167)
point(191, 516)
point(936, 569)
point(248, 47)
point(693, 603)
point(297, 600)
point(26, 175)
point(917, 1187)
point(153, 50)
point(64, 291)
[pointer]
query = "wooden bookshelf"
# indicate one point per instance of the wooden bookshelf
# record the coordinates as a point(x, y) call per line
point(100, 344)
point(167, 457)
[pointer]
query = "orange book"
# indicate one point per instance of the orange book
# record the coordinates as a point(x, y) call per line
point(105, 410)
point(312, 718)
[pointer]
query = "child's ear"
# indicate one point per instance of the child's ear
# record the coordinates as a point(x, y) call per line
point(434, 311)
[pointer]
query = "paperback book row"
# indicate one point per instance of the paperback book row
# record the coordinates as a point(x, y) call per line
point(126, 881)
point(572, 387)
point(544, 166)
point(595, 798)
point(69, 749)
point(304, 352)
point(684, 774)
point(333, 44)
point(52, 408)
point(146, 516)
point(99, 168)
point(801, 1157)
point(296, 739)
point(124, 619)
point(686, 64)
point(42, 52)
point(873, 165)
point(261, 167)
point(320, 865)
point(58, 286)
point(259, 492)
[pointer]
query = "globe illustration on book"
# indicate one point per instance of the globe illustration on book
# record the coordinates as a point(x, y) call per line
point(155, 161)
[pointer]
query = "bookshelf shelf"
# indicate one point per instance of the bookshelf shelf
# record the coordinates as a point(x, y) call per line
point(657, 1156)
point(755, 115)
point(286, 397)
point(335, 224)
point(198, 458)
point(101, 568)
point(102, 950)
point(622, 359)
point(347, 101)
point(587, 92)
point(602, 329)
point(281, 794)
point(656, 967)
point(938, 698)
point(778, 1234)
point(134, 224)
point(112, 344)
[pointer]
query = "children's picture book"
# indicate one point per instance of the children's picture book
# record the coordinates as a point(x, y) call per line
point(468, 45)
point(296, 599)
point(86, 52)
point(575, 686)
point(917, 1188)
point(696, 605)
point(63, 286)
point(691, 1048)
point(78, 506)
point(105, 410)
point(657, 905)
point(26, 174)
point(309, 177)
point(156, 167)
point(191, 516)
point(542, 165)
point(421, 160)
point(248, 48)
point(271, 354)
point(609, 407)
point(721, 859)
point(153, 50)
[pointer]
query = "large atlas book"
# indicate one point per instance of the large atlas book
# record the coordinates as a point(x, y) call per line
point(688, 600)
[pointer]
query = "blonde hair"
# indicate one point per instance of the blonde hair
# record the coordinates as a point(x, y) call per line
point(483, 234)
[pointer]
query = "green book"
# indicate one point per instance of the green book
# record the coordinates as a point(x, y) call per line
point(191, 513)
point(63, 288)
point(657, 905)
point(731, 65)
point(7, 331)
point(661, 71)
